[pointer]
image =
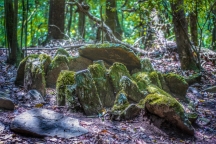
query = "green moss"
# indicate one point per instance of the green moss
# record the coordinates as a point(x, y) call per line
point(116, 71)
point(173, 77)
point(97, 71)
point(146, 65)
point(58, 60)
point(155, 79)
point(160, 99)
point(152, 89)
point(141, 104)
point(62, 51)
point(121, 102)
point(65, 78)
point(176, 84)
point(142, 79)
point(104, 45)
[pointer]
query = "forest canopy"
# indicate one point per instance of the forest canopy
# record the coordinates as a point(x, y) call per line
point(142, 23)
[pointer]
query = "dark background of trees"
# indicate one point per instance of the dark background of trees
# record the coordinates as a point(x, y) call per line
point(28, 23)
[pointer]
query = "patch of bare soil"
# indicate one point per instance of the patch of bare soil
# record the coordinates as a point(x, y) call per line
point(145, 128)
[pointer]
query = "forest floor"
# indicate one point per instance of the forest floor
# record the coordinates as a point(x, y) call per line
point(140, 130)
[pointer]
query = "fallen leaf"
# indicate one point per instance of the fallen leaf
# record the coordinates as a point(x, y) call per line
point(39, 105)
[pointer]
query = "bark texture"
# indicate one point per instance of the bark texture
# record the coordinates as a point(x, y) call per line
point(181, 34)
point(112, 19)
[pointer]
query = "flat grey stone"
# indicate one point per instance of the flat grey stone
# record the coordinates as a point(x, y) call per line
point(111, 53)
point(6, 102)
point(43, 122)
point(35, 97)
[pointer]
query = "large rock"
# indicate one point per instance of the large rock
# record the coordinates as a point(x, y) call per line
point(44, 59)
point(78, 63)
point(142, 79)
point(43, 122)
point(21, 70)
point(59, 63)
point(65, 78)
point(34, 97)
point(34, 77)
point(62, 51)
point(87, 93)
point(122, 109)
point(131, 89)
point(177, 85)
point(116, 71)
point(6, 102)
point(102, 83)
point(111, 53)
point(170, 109)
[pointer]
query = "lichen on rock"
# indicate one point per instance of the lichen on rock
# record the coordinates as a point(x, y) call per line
point(62, 51)
point(177, 84)
point(142, 79)
point(131, 89)
point(65, 78)
point(87, 93)
point(116, 71)
point(34, 77)
point(21, 70)
point(155, 78)
point(59, 63)
point(102, 83)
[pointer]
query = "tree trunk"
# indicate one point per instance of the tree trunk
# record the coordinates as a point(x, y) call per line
point(11, 9)
point(81, 23)
point(214, 31)
point(56, 20)
point(112, 19)
point(193, 28)
point(181, 34)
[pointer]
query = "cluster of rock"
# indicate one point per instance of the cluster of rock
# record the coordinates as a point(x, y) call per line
point(110, 76)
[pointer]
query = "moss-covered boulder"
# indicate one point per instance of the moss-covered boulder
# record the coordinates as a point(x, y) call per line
point(34, 77)
point(21, 70)
point(170, 109)
point(102, 83)
point(155, 79)
point(142, 79)
point(122, 109)
point(163, 83)
point(146, 65)
point(65, 78)
point(131, 89)
point(78, 63)
point(62, 51)
point(59, 63)
point(87, 93)
point(115, 72)
point(194, 78)
point(111, 53)
point(154, 89)
point(177, 84)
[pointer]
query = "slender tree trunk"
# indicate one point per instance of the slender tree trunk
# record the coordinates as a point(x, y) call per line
point(56, 20)
point(81, 23)
point(214, 30)
point(193, 28)
point(70, 19)
point(11, 10)
point(181, 35)
point(112, 19)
